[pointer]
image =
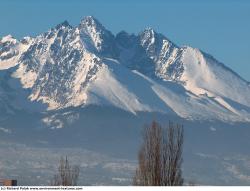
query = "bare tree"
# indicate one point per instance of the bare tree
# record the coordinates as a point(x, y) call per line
point(67, 175)
point(160, 156)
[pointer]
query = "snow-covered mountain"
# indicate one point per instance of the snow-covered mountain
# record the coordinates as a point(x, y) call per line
point(88, 65)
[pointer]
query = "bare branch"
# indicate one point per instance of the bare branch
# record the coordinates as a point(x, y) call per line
point(160, 156)
point(67, 175)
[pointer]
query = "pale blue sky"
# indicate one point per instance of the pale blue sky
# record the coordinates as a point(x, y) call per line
point(218, 27)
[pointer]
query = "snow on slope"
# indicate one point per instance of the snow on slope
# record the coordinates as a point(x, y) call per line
point(11, 50)
point(78, 66)
point(203, 74)
point(116, 86)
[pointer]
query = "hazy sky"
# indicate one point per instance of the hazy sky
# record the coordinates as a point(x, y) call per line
point(218, 27)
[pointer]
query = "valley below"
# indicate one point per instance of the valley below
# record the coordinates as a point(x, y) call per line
point(104, 142)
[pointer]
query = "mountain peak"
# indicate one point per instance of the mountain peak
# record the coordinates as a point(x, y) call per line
point(90, 21)
point(73, 66)
point(101, 39)
point(148, 30)
point(8, 38)
point(63, 24)
point(147, 33)
point(125, 39)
